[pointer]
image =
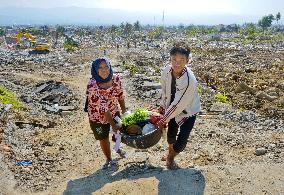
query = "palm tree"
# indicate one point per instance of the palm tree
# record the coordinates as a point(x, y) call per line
point(278, 17)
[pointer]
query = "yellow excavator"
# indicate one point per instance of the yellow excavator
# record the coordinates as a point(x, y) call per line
point(37, 48)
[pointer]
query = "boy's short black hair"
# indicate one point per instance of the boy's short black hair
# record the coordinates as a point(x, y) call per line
point(180, 48)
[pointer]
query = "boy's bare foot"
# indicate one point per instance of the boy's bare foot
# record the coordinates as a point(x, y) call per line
point(172, 165)
point(165, 156)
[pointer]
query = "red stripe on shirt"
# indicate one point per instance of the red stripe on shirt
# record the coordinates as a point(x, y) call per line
point(168, 114)
point(182, 121)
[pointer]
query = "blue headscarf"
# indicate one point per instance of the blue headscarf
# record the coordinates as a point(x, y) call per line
point(95, 70)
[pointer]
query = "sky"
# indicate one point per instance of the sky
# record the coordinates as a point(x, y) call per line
point(236, 7)
point(146, 11)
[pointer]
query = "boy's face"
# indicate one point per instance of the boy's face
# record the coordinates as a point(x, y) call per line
point(178, 62)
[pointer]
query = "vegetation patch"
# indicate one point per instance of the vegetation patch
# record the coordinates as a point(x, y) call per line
point(132, 68)
point(200, 90)
point(8, 97)
point(221, 97)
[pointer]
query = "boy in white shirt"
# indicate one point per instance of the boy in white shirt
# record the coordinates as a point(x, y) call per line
point(180, 101)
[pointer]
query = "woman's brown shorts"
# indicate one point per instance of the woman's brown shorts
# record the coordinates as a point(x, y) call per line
point(101, 131)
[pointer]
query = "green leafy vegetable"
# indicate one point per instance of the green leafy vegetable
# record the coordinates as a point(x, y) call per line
point(137, 116)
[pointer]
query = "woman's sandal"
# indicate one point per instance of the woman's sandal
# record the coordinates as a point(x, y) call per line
point(121, 153)
point(109, 164)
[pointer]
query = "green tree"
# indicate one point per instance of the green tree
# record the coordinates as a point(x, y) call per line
point(60, 30)
point(266, 21)
point(181, 26)
point(2, 32)
point(137, 26)
point(249, 31)
point(34, 31)
point(122, 25)
point(278, 17)
point(128, 28)
point(113, 28)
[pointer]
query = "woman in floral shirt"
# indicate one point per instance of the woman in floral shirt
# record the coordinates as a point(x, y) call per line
point(104, 96)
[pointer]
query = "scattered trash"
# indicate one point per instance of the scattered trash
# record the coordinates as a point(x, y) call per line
point(148, 128)
point(24, 162)
point(6, 109)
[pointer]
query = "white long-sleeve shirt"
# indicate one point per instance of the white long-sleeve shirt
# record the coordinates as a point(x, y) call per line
point(187, 100)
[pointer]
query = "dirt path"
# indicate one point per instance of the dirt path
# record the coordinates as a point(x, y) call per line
point(209, 165)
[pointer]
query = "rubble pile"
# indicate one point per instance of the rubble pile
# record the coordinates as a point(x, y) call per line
point(39, 145)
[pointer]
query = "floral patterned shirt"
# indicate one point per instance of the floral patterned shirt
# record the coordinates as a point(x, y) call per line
point(102, 100)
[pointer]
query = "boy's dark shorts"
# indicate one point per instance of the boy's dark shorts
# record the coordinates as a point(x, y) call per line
point(101, 131)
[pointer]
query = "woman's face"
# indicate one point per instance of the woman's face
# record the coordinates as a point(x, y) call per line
point(178, 62)
point(103, 70)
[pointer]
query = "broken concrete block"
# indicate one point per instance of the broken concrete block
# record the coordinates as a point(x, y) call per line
point(244, 87)
point(263, 95)
point(66, 108)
